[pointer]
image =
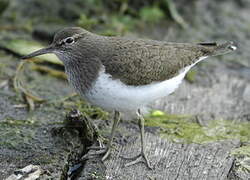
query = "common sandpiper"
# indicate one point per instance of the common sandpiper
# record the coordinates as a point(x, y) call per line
point(125, 75)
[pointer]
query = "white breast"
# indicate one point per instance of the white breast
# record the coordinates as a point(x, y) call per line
point(111, 94)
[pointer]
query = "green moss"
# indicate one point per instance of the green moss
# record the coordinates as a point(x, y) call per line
point(241, 151)
point(183, 128)
point(226, 129)
point(242, 155)
point(174, 127)
point(16, 122)
point(91, 111)
point(15, 132)
point(14, 136)
point(191, 75)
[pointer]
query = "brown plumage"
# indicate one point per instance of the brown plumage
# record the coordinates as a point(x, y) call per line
point(133, 61)
point(140, 62)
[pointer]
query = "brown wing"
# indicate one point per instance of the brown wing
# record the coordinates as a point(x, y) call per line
point(141, 62)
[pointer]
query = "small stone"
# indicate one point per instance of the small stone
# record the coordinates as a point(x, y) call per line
point(30, 172)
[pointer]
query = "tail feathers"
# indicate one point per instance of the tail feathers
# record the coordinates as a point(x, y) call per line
point(219, 49)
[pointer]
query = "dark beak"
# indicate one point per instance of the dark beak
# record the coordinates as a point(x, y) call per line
point(39, 52)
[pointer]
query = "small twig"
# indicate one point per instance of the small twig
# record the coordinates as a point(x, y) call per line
point(17, 83)
point(174, 14)
point(63, 99)
point(52, 72)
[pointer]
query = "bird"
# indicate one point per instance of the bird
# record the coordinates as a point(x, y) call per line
point(123, 75)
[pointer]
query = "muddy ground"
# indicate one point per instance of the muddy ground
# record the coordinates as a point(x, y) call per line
point(217, 93)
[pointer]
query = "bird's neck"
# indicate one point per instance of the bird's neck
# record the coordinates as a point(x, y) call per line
point(82, 73)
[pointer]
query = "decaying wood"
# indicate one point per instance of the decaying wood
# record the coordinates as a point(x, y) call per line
point(85, 134)
point(172, 161)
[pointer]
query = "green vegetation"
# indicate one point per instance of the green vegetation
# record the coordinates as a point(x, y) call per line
point(121, 20)
point(191, 75)
point(151, 14)
point(97, 175)
point(184, 128)
point(86, 22)
point(3, 5)
point(242, 155)
point(15, 133)
point(91, 111)
point(242, 151)
point(106, 17)
point(85, 108)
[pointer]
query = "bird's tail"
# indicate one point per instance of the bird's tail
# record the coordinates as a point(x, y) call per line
point(219, 49)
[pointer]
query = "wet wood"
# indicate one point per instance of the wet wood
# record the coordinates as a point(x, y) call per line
point(172, 161)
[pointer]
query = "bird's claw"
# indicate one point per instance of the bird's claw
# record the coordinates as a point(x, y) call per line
point(138, 159)
point(98, 151)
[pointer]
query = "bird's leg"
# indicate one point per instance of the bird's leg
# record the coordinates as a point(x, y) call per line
point(116, 120)
point(106, 151)
point(142, 156)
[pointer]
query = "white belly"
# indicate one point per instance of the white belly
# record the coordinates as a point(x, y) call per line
point(111, 94)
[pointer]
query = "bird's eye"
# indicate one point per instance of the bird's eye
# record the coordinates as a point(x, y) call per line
point(69, 40)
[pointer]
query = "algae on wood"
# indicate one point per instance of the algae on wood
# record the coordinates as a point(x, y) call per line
point(184, 128)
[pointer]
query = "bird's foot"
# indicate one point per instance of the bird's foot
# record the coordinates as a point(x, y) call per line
point(140, 158)
point(98, 151)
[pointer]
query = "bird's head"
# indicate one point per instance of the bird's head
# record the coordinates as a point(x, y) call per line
point(67, 42)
